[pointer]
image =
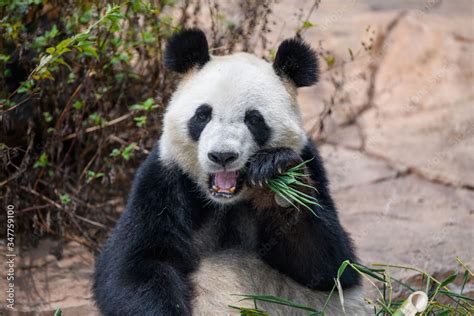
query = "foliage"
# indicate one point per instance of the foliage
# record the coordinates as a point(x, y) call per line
point(442, 299)
point(82, 95)
point(289, 186)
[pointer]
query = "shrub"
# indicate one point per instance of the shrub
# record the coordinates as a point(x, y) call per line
point(83, 93)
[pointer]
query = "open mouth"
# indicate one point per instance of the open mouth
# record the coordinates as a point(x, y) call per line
point(225, 184)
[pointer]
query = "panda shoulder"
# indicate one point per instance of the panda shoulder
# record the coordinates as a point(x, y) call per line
point(153, 175)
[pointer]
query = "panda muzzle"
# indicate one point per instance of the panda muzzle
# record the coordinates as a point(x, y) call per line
point(224, 183)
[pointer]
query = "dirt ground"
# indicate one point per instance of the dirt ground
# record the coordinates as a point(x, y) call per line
point(395, 126)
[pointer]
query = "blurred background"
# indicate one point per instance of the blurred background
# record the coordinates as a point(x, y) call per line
point(83, 90)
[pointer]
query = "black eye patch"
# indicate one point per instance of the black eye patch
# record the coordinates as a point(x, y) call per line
point(198, 122)
point(256, 124)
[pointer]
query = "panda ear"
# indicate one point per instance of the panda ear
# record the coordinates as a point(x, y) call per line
point(185, 50)
point(297, 61)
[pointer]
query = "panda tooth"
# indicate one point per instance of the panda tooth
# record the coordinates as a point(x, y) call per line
point(216, 188)
point(232, 190)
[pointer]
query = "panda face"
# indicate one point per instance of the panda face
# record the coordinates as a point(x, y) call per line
point(221, 115)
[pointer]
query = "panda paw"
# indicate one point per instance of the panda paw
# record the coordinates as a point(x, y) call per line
point(267, 164)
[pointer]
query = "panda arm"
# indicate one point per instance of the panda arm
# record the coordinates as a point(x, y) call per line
point(309, 249)
point(143, 267)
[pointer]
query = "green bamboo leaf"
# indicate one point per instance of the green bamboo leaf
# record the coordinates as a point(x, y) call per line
point(62, 62)
point(81, 37)
point(64, 43)
point(91, 51)
point(464, 297)
point(342, 267)
point(448, 280)
point(369, 271)
point(276, 300)
point(300, 195)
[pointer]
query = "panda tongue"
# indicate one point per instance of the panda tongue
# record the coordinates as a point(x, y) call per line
point(225, 179)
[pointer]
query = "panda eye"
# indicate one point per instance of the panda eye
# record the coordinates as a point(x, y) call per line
point(202, 116)
point(203, 113)
point(257, 126)
point(253, 118)
point(198, 122)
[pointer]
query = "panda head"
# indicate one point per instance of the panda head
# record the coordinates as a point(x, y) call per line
point(226, 108)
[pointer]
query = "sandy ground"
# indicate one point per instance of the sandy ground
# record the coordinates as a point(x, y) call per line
point(395, 126)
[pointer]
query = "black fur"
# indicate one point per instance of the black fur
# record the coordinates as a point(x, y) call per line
point(185, 50)
point(144, 267)
point(312, 252)
point(255, 122)
point(296, 61)
point(268, 163)
point(198, 122)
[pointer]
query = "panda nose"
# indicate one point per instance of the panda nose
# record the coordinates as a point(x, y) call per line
point(222, 158)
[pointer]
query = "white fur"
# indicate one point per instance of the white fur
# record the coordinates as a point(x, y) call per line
point(230, 85)
point(222, 275)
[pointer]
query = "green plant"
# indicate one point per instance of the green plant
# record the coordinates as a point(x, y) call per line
point(92, 175)
point(69, 70)
point(82, 42)
point(442, 299)
point(289, 186)
point(128, 151)
point(42, 161)
point(65, 199)
point(146, 105)
point(76, 79)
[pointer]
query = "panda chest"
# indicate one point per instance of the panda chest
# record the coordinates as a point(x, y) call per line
point(232, 228)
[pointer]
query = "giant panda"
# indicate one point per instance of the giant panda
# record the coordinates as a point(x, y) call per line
point(201, 226)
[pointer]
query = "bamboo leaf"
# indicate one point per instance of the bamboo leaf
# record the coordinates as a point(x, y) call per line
point(276, 300)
